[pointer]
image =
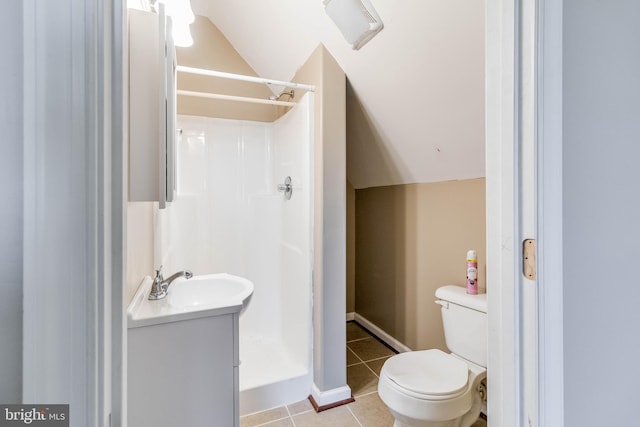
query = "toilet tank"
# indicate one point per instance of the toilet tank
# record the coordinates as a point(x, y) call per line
point(464, 318)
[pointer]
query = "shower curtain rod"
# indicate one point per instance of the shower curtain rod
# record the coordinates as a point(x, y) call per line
point(234, 98)
point(241, 77)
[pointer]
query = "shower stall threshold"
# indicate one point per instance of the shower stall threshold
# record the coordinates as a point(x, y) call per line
point(269, 376)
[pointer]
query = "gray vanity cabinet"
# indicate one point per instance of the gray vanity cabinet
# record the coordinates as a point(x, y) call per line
point(184, 373)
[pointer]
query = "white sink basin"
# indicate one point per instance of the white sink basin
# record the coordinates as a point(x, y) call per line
point(210, 290)
point(200, 296)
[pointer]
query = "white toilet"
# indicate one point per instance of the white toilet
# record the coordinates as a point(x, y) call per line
point(431, 388)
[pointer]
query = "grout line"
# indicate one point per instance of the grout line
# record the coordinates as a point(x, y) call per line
point(290, 416)
point(357, 357)
point(372, 371)
point(303, 412)
point(365, 363)
point(366, 394)
point(393, 344)
point(359, 339)
point(354, 416)
point(369, 360)
point(378, 358)
point(273, 421)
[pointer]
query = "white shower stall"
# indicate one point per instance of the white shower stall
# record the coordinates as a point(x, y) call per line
point(230, 216)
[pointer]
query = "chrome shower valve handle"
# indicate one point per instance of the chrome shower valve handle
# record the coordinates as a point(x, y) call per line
point(286, 188)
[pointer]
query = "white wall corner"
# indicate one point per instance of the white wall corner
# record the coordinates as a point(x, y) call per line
point(329, 397)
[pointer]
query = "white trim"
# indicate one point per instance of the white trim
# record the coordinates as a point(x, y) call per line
point(525, 211)
point(351, 317)
point(501, 68)
point(118, 82)
point(99, 99)
point(385, 337)
point(73, 201)
point(241, 77)
point(329, 397)
point(550, 244)
point(161, 177)
point(66, 253)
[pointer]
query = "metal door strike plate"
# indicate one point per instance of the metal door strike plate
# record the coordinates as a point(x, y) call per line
point(529, 259)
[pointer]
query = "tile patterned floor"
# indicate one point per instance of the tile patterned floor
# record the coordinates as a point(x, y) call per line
point(365, 357)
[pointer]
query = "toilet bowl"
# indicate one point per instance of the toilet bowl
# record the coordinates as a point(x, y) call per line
point(431, 388)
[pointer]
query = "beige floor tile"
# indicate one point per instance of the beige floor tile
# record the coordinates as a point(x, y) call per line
point(300, 407)
point(336, 417)
point(371, 411)
point(356, 332)
point(264, 417)
point(361, 380)
point(369, 349)
point(376, 365)
point(281, 423)
point(480, 423)
point(352, 359)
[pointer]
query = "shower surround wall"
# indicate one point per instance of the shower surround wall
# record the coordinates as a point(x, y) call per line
point(229, 217)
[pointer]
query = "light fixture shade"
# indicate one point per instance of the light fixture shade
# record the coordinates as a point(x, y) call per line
point(182, 16)
point(182, 35)
point(357, 19)
point(180, 11)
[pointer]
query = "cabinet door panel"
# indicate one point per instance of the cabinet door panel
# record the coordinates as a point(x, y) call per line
point(152, 107)
point(145, 62)
point(171, 64)
point(182, 374)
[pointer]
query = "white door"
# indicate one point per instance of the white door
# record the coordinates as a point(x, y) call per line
point(511, 211)
point(524, 201)
point(525, 205)
point(74, 196)
point(548, 195)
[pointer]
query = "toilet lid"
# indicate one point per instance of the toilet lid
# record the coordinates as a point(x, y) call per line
point(428, 372)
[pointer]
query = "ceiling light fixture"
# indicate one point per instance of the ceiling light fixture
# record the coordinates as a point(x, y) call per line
point(357, 19)
point(181, 17)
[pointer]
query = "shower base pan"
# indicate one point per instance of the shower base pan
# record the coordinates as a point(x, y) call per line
point(269, 376)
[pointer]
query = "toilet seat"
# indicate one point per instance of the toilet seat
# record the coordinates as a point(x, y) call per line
point(428, 374)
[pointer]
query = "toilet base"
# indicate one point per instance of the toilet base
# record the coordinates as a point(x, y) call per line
point(465, 419)
point(458, 422)
point(450, 423)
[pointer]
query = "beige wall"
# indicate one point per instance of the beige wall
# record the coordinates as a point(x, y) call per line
point(410, 240)
point(139, 245)
point(211, 50)
point(351, 248)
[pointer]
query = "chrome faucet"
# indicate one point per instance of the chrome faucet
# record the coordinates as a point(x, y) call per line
point(160, 286)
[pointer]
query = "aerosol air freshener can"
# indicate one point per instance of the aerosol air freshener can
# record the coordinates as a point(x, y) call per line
point(472, 272)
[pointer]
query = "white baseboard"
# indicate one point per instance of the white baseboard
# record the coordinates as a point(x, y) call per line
point(351, 316)
point(329, 397)
point(385, 337)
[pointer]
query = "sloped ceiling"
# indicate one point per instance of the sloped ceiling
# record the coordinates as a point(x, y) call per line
point(415, 98)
